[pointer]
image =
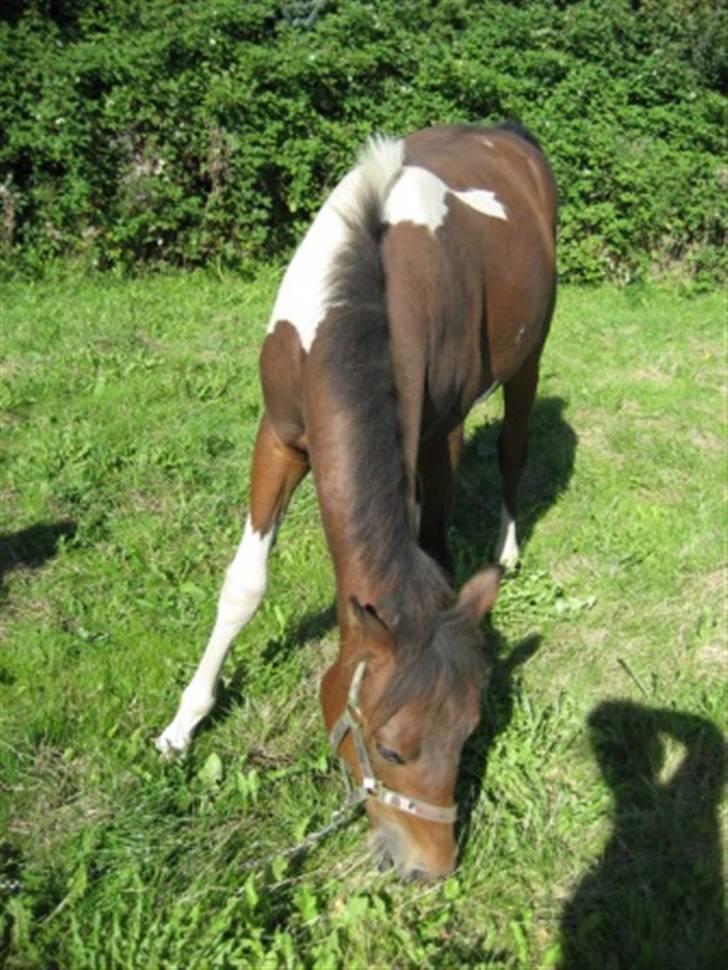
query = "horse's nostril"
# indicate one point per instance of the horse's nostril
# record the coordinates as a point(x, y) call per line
point(419, 875)
point(382, 851)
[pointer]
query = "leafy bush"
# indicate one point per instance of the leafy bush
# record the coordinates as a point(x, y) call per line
point(191, 134)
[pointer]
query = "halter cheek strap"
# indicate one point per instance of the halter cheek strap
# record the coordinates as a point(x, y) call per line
point(371, 786)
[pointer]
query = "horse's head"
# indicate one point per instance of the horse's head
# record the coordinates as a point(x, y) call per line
point(399, 707)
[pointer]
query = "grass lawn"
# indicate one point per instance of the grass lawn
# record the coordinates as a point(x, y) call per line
point(594, 784)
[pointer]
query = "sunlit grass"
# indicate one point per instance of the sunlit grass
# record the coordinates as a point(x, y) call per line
point(129, 410)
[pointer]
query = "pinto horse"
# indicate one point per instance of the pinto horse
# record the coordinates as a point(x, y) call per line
point(426, 281)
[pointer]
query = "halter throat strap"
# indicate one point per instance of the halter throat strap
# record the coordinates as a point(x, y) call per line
point(371, 786)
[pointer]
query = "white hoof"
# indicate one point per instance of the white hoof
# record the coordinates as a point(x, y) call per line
point(508, 559)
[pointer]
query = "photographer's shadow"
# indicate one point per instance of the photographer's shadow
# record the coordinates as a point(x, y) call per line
point(655, 897)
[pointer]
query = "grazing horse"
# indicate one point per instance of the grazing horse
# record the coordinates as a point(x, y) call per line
point(426, 281)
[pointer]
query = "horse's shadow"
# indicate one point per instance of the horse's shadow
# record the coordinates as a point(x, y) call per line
point(496, 713)
point(654, 898)
point(477, 499)
point(32, 547)
point(474, 525)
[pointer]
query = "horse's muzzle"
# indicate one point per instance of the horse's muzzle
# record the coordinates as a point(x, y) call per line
point(389, 847)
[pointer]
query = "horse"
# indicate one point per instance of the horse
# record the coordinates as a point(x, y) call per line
point(426, 281)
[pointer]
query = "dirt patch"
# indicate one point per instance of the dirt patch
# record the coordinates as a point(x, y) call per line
point(706, 440)
point(714, 655)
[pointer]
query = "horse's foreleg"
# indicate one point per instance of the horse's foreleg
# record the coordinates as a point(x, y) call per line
point(438, 461)
point(519, 393)
point(276, 472)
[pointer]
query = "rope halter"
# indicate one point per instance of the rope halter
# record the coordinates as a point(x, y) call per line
point(371, 786)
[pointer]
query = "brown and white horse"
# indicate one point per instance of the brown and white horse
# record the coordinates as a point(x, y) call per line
point(426, 281)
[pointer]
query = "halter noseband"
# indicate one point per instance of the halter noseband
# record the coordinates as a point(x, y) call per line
point(371, 786)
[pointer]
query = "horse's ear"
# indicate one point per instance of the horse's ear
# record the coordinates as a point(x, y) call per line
point(369, 625)
point(479, 593)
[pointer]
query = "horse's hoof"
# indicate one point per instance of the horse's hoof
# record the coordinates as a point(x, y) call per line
point(169, 750)
point(509, 562)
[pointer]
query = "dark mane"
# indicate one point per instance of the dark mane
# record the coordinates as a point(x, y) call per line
point(439, 670)
point(434, 645)
point(355, 347)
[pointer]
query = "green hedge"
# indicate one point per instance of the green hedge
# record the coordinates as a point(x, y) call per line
point(185, 133)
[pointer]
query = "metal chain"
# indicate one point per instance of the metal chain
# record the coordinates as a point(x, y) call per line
point(10, 885)
point(339, 818)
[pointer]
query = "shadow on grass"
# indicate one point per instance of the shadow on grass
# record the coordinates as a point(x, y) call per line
point(476, 505)
point(655, 896)
point(32, 547)
point(313, 626)
point(475, 522)
point(496, 714)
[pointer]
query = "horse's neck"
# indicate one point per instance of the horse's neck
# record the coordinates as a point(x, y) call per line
point(353, 427)
point(368, 530)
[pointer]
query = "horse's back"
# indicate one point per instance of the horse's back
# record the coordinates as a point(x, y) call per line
point(467, 247)
point(470, 257)
point(501, 201)
point(506, 160)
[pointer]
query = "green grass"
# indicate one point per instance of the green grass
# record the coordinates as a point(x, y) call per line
point(595, 780)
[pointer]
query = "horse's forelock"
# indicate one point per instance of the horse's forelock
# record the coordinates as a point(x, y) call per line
point(436, 665)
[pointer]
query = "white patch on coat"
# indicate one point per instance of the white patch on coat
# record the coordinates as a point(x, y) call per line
point(303, 296)
point(506, 550)
point(421, 197)
point(242, 591)
point(418, 196)
point(483, 200)
point(406, 193)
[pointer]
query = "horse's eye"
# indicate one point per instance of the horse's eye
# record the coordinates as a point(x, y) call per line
point(389, 755)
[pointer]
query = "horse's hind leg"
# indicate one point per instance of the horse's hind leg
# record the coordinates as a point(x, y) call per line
point(276, 472)
point(519, 393)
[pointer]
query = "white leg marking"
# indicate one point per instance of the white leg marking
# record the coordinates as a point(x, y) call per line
point(242, 591)
point(506, 550)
